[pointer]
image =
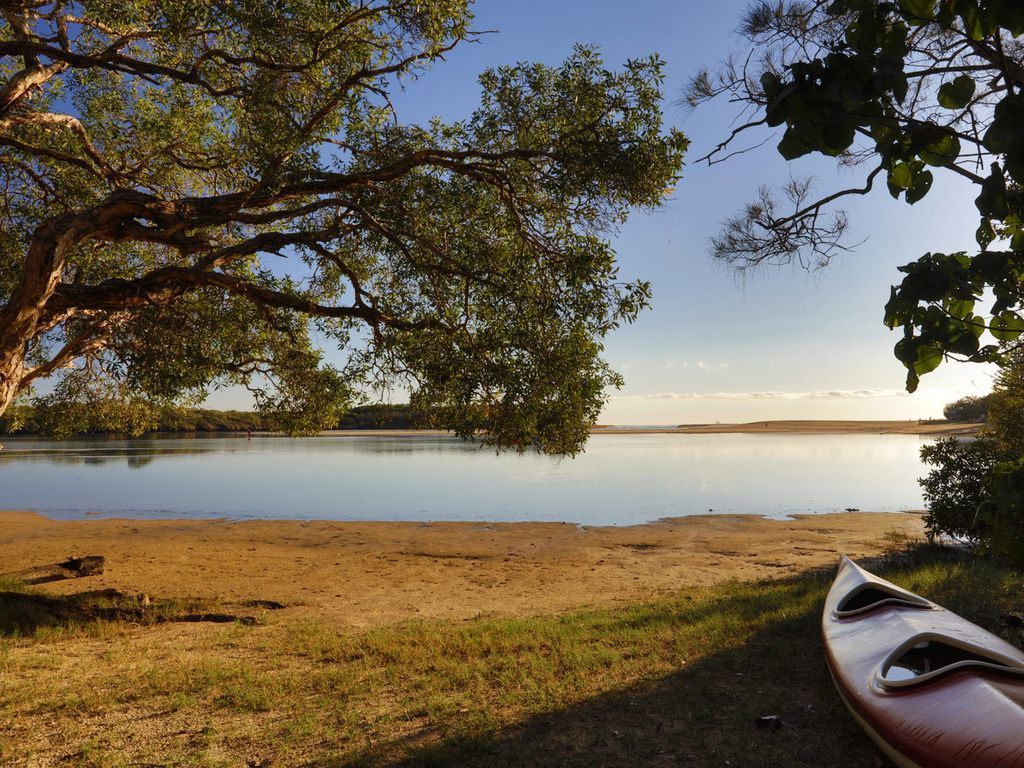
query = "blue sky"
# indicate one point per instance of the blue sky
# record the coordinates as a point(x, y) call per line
point(782, 343)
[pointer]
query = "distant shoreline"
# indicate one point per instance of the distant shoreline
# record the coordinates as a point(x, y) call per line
point(791, 427)
point(808, 426)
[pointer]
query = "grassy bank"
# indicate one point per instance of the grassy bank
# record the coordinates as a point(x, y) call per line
point(112, 680)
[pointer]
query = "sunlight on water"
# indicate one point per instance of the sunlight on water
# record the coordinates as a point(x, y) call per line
point(620, 480)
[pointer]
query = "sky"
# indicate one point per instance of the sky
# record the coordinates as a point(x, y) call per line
point(779, 344)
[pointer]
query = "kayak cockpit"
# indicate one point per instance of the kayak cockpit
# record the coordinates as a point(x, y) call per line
point(929, 655)
point(870, 595)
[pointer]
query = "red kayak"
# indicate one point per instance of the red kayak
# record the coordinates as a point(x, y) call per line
point(930, 688)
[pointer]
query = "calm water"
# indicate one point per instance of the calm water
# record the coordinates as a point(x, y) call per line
point(620, 480)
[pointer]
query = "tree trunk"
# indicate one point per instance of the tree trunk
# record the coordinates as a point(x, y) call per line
point(12, 366)
point(20, 318)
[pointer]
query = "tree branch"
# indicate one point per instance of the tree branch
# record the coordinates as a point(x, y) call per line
point(163, 286)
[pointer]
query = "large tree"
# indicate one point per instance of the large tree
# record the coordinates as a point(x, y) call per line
point(199, 193)
point(896, 89)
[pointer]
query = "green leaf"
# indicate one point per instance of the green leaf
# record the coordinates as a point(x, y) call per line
point(1009, 14)
point(972, 20)
point(895, 41)
point(1004, 134)
point(945, 15)
point(962, 308)
point(838, 137)
point(929, 356)
point(1017, 240)
point(1006, 326)
point(778, 109)
point(900, 176)
point(943, 152)
point(990, 265)
point(899, 84)
point(985, 234)
point(919, 187)
point(770, 83)
point(918, 10)
point(958, 93)
point(904, 352)
point(992, 201)
point(792, 146)
point(963, 342)
point(978, 325)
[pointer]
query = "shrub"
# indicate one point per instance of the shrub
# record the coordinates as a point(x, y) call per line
point(1006, 409)
point(958, 485)
point(976, 491)
point(1000, 520)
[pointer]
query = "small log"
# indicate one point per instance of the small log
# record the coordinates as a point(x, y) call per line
point(90, 565)
point(72, 568)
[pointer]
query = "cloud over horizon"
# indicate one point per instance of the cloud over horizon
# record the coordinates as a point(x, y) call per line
point(823, 394)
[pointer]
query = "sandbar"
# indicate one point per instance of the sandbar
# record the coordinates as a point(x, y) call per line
point(809, 426)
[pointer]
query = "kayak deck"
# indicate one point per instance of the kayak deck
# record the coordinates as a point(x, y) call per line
point(929, 687)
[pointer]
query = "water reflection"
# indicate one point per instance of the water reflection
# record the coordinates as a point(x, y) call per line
point(140, 451)
point(133, 457)
point(621, 479)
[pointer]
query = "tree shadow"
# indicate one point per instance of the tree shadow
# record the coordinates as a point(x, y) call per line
point(706, 714)
point(25, 613)
point(712, 712)
point(72, 568)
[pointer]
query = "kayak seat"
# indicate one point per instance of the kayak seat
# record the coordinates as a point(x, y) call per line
point(927, 656)
point(868, 596)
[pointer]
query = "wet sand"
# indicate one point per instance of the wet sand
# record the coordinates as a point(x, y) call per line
point(361, 574)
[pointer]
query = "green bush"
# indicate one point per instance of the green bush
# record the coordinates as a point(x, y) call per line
point(1000, 521)
point(1006, 409)
point(958, 485)
point(976, 489)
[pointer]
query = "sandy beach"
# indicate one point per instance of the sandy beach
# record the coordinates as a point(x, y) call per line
point(809, 426)
point(792, 427)
point(361, 574)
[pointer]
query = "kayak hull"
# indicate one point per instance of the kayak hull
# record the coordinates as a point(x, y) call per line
point(969, 712)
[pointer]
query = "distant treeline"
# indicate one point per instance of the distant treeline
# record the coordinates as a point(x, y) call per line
point(967, 409)
point(399, 416)
point(25, 420)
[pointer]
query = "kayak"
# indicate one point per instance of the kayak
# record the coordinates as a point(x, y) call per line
point(930, 688)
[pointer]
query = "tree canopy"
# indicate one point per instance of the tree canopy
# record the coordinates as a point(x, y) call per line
point(203, 194)
point(901, 90)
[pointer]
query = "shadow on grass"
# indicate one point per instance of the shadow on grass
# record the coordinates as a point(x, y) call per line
point(705, 714)
point(25, 612)
point(709, 712)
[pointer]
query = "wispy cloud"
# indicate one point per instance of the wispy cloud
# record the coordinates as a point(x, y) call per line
point(711, 366)
point(624, 365)
point(822, 394)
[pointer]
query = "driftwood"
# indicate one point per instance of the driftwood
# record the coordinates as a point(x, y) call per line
point(72, 568)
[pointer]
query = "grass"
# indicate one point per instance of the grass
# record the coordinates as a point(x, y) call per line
point(679, 680)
